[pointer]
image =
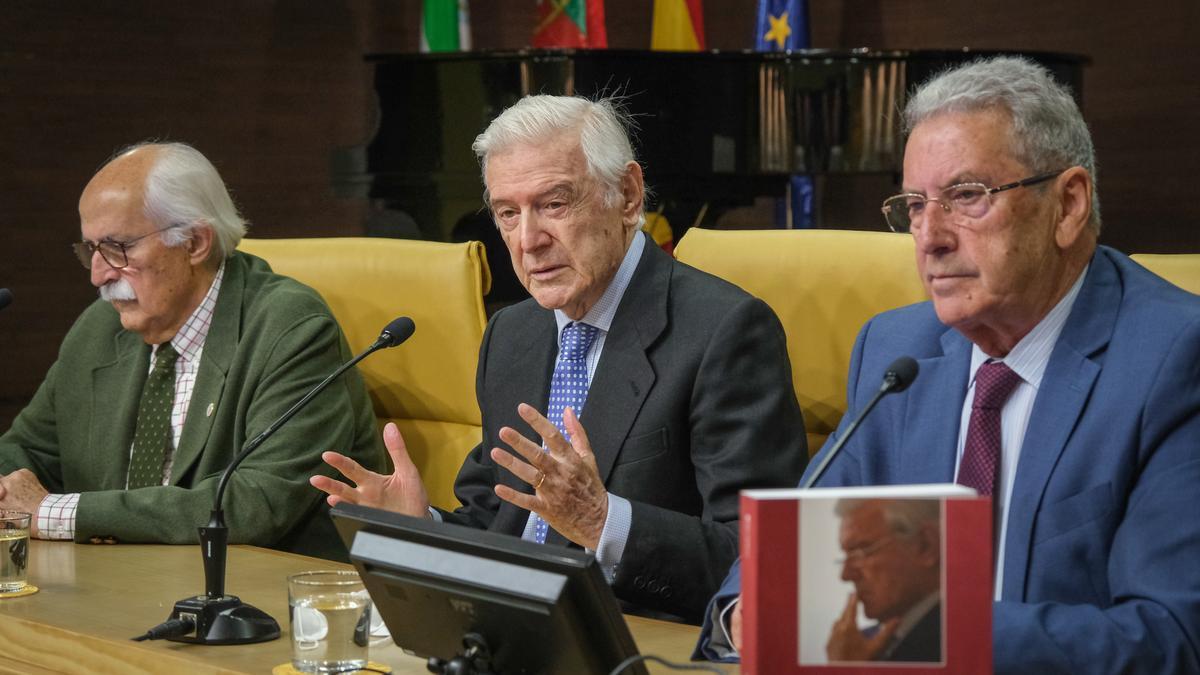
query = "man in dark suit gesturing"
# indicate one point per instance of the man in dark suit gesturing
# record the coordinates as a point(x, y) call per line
point(681, 380)
point(1057, 376)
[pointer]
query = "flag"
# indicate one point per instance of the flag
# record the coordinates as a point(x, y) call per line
point(782, 25)
point(660, 231)
point(678, 25)
point(570, 23)
point(445, 26)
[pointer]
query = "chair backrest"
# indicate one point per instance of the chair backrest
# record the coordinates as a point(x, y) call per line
point(824, 285)
point(1181, 269)
point(427, 385)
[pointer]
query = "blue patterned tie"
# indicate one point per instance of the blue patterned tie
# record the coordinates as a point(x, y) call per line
point(568, 388)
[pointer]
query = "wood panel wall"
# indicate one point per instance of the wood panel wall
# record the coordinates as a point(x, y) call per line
point(271, 91)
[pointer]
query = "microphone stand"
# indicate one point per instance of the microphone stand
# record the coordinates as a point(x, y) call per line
point(218, 619)
point(899, 375)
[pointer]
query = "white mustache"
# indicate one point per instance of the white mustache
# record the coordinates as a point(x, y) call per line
point(117, 290)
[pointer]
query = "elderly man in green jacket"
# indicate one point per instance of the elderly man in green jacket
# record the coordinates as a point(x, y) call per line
point(193, 349)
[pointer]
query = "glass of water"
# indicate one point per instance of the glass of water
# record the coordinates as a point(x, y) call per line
point(330, 615)
point(14, 550)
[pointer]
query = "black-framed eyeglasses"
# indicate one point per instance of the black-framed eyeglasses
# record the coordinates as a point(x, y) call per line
point(970, 200)
point(114, 252)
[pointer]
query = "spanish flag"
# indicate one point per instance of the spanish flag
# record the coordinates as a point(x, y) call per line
point(570, 23)
point(678, 26)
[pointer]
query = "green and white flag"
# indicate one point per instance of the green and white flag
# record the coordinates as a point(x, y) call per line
point(445, 26)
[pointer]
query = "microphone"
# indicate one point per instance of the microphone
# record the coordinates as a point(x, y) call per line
point(393, 334)
point(896, 379)
point(218, 619)
point(5, 298)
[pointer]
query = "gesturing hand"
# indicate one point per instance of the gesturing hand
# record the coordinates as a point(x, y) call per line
point(402, 491)
point(568, 492)
point(846, 641)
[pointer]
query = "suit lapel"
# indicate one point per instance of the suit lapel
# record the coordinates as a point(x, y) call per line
point(116, 395)
point(624, 375)
point(1061, 399)
point(929, 452)
point(220, 345)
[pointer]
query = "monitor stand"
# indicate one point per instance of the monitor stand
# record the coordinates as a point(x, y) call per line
point(476, 659)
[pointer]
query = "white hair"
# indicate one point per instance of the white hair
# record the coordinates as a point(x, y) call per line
point(603, 127)
point(1047, 131)
point(904, 517)
point(117, 289)
point(184, 189)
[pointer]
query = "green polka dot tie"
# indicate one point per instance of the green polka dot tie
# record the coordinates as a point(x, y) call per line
point(153, 439)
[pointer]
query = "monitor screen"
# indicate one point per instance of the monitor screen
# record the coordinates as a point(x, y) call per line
point(539, 609)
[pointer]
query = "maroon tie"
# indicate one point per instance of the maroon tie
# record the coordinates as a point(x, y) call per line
point(980, 468)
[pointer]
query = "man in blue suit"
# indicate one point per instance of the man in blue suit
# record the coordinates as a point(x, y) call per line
point(1096, 457)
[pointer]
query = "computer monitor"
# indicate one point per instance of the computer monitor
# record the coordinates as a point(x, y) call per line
point(539, 609)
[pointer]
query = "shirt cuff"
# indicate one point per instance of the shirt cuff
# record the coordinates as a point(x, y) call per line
point(56, 516)
point(435, 514)
point(723, 623)
point(714, 643)
point(614, 536)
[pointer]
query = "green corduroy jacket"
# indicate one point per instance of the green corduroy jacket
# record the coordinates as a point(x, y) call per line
point(271, 340)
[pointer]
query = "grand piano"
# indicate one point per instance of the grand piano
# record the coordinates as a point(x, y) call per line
point(716, 130)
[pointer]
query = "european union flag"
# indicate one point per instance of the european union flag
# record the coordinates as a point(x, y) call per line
point(782, 24)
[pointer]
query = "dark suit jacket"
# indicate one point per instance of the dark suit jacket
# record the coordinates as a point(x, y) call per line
point(1102, 556)
point(922, 644)
point(271, 340)
point(692, 400)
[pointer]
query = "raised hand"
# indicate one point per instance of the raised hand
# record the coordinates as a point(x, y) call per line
point(567, 490)
point(401, 491)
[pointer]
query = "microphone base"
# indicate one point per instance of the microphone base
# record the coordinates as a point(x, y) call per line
point(224, 621)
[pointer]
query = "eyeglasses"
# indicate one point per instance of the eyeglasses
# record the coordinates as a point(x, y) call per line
point(114, 252)
point(969, 200)
point(858, 554)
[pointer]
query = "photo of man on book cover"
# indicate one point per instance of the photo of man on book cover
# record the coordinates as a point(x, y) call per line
point(888, 555)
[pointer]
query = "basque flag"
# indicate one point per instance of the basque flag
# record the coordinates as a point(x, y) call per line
point(570, 23)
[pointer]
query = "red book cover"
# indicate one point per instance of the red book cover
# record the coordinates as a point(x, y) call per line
point(872, 580)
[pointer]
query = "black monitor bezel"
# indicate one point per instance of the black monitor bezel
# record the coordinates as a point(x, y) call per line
point(590, 595)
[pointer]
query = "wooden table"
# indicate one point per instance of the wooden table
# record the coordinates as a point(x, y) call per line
point(94, 598)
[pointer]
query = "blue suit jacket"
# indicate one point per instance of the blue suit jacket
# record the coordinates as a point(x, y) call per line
point(1102, 556)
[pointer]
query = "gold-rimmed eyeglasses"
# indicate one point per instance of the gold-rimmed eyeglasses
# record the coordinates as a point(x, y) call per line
point(969, 200)
point(114, 252)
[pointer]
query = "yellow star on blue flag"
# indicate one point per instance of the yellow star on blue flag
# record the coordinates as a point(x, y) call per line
point(780, 30)
point(782, 25)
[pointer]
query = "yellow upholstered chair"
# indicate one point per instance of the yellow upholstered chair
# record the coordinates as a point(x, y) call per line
point(1181, 269)
point(427, 385)
point(824, 285)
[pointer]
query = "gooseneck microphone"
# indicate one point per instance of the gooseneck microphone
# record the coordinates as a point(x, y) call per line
point(218, 619)
point(5, 298)
point(896, 379)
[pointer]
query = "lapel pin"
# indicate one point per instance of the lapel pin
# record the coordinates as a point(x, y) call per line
point(209, 412)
